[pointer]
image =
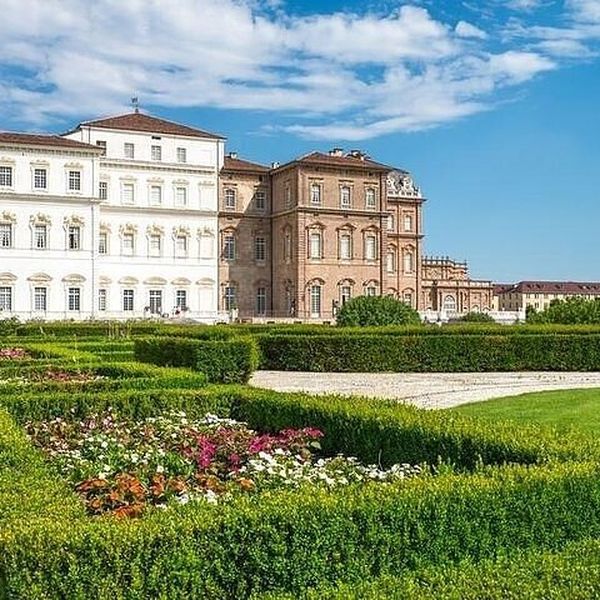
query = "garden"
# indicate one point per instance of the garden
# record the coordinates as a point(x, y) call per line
point(136, 462)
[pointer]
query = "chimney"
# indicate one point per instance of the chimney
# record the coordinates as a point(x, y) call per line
point(233, 155)
point(336, 152)
point(357, 154)
point(275, 164)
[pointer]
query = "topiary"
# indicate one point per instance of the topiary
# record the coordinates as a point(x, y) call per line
point(376, 310)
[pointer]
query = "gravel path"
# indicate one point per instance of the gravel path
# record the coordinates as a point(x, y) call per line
point(426, 390)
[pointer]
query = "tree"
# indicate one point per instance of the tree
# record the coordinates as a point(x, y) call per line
point(376, 310)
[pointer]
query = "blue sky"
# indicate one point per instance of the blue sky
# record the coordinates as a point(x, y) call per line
point(492, 104)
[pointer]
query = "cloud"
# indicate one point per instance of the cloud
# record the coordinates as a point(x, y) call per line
point(525, 5)
point(338, 75)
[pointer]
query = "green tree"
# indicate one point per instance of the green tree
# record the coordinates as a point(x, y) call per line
point(376, 310)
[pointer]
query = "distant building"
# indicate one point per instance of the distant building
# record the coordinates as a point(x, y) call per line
point(539, 294)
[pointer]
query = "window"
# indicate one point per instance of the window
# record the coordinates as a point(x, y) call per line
point(74, 237)
point(449, 303)
point(128, 193)
point(181, 155)
point(315, 194)
point(230, 298)
point(288, 196)
point(6, 176)
point(181, 299)
point(6, 235)
point(102, 295)
point(103, 190)
point(156, 153)
point(181, 246)
point(408, 262)
point(315, 301)
point(371, 290)
point(370, 201)
point(370, 247)
point(128, 299)
point(40, 179)
point(155, 301)
point(261, 301)
point(5, 298)
point(390, 223)
point(391, 261)
point(180, 196)
point(103, 243)
point(229, 247)
point(315, 245)
point(345, 197)
point(40, 298)
point(129, 151)
point(345, 294)
point(154, 244)
point(408, 223)
point(261, 199)
point(345, 246)
point(230, 199)
point(101, 144)
point(74, 299)
point(287, 246)
point(260, 248)
point(74, 181)
point(40, 237)
point(206, 245)
point(128, 244)
point(155, 195)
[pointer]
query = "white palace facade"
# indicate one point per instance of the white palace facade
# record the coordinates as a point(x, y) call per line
point(115, 219)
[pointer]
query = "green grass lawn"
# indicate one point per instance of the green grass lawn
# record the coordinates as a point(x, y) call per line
point(562, 409)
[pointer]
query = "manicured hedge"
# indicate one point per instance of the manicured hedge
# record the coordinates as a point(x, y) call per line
point(222, 361)
point(429, 353)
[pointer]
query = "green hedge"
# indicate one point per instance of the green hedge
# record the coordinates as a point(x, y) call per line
point(428, 353)
point(222, 361)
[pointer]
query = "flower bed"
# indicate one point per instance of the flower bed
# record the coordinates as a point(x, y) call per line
point(122, 467)
point(14, 354)
point(51, 375)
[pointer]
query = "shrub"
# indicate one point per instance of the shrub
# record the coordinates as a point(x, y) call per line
point(569, 311)
point(376, 310)
point(222, 361)
point(476, 317)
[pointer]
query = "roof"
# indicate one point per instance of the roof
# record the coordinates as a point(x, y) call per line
point(556, 287)
point(343, 161)
point(31, 139)
point(137, 121)
point(237, 164)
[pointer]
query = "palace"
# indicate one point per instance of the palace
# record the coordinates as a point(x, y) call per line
point(134, 216)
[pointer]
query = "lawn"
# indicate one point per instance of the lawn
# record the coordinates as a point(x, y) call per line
point(561, 408)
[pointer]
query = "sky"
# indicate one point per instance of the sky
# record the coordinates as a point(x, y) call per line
point(493, 105)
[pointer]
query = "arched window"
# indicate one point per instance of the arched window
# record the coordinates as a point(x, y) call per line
point(449, 303)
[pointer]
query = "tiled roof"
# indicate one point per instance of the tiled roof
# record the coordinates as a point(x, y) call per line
point(29, 139)
point(237, 164)
point(556, 287)
point(343, 161)
point(137, 121)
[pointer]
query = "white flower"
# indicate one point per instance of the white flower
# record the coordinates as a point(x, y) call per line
point(160, 469)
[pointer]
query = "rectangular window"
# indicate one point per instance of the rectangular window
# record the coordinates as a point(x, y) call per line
point(288, 196)
point(230, 199)
point(390, 223)
point(315, 301)
point(155, 244)
point(314, 248)
point(181, 299)
point(128, 298)
point(74, 235)
point(260, 249)
point(287, 246)
point(345, 294)
point(6, 240)
point(74, 181)
point(408, 223)
point(40, 179)
point(101, 144)
point(230, 298)
point(103, 190)
point(128, 244)
point(181, 246)
point(345, 246)
point(156, 153)
point(155, 195)
point(315, 194)
point(40, 237)
point(103, 243)
point(6, 176)
point(261, 301)
point(40, 298)
point(129, 150)
point(371, 247)
point(102, 295)
point(261, 200)
point(371, 291)
point(370, 201)
point(391, 262)
point(345, 197)
point(181, 155)
point(74, 299)
point(180, 196)
point(128, 193)
point(229, 247)
point(408, 262)
point(5, 298)
point(155, 301)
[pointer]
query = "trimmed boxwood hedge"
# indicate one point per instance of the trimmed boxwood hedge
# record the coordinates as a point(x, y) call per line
point(222, 361)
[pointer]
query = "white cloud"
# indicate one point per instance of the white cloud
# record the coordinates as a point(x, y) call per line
point(526, 5)
point(339, 75)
